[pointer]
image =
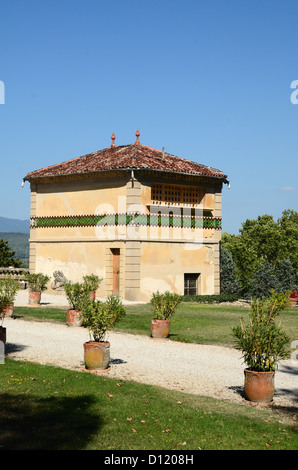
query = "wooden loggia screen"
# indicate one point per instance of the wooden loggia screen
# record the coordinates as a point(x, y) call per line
point(177, 195)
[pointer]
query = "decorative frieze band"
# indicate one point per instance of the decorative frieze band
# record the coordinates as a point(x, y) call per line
point(136, 219)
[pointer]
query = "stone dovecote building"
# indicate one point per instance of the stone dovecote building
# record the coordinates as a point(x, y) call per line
point(140, 218)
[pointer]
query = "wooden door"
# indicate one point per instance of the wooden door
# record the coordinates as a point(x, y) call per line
point(116, 270)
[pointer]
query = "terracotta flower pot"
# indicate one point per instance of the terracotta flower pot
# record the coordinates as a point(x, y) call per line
point(160, 328)
point(73, 317)
point(92, 295)
point(97, 355)
point(9, 310)
point(34, 298)
point(293, 301)
point(259, 386)
point(3, 334)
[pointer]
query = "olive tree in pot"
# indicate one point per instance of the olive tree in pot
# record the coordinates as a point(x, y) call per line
point(263, 344)
point(8, 290)
point(164, 306)
point(92, 282)
point(37, 284)
point(99, 317)
point(75, 293)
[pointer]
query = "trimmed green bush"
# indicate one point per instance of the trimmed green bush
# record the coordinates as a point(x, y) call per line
point(211, 299)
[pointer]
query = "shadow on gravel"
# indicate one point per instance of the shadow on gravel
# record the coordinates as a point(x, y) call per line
point(11, 348)
point(238, 390)
point(117, 361)
point(287, 393)
point(288, 370)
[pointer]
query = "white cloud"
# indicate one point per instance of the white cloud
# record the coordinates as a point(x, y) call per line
point(288, 188)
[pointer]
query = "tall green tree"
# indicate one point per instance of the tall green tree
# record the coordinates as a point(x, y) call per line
point(244, 257)
point(287, 276)
point(265, 279)
point(264, 237)
point(281, 278)
point(229, 283)
point(288, 225)
point(7, 256)
point(263, 240)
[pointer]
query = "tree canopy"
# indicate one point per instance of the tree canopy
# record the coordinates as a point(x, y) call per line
point(7, 256)
point(265, 251)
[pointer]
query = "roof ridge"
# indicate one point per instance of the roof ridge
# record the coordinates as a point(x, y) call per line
point(136, 155)
point(180, 158)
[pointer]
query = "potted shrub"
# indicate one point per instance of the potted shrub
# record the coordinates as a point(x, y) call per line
point(8, 290)
point(37, 284)
point(263, 344)
point(164, 306)
point(92, 282)
point(293, 297)
point(99, 317)
point(75, 293)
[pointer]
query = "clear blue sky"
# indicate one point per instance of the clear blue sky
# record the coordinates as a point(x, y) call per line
point(208, 80)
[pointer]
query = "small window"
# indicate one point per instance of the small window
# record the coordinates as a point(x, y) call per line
point(191, 284)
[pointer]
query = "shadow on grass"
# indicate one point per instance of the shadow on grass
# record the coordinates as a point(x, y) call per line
point(289, 410)
point(31, 423)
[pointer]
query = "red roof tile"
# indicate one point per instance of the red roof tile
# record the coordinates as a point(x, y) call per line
point(134, 156)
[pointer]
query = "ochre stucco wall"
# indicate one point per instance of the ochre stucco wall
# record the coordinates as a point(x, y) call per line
point(75, 260)
point(151, 258)
point(163, 266)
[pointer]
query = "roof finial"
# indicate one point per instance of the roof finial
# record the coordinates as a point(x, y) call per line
point(113, 140)
point(138, 135)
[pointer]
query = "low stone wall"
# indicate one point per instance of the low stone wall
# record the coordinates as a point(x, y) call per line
point(15, 273)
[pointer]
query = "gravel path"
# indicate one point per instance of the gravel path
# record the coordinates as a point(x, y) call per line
point(198, 369)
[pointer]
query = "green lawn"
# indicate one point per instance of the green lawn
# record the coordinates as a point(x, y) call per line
point(192, 322)
point(51, 408)
point(43, 407)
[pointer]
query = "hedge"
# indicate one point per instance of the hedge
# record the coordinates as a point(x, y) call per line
point(211, 299)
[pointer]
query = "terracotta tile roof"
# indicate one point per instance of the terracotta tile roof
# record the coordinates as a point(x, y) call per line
point(134, 156)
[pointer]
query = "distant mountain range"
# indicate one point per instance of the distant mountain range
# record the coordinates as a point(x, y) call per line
point(14, 225)
point(16, 233)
